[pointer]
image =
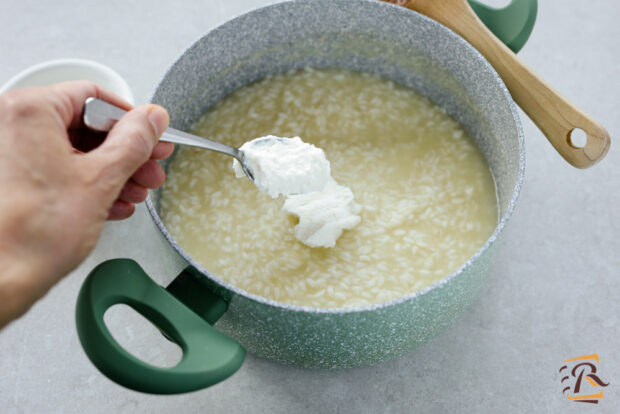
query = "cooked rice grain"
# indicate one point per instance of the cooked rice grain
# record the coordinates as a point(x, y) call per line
point(427, 194)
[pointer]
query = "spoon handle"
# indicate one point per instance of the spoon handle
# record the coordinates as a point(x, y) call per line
point(554, 115)
point(183, 138)
point(101, 116)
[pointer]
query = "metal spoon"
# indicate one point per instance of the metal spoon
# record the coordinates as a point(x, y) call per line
point(101, 116)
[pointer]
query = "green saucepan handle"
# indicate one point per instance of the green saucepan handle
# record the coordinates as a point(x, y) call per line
point(208, 355)
point(512, 24)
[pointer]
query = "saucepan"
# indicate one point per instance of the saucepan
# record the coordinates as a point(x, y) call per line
point(214, 322)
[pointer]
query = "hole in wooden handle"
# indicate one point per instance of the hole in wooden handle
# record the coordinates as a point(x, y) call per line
point(583, 147)
point(577, 138)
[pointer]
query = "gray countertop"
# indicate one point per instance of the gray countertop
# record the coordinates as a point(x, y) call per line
point(553, 295)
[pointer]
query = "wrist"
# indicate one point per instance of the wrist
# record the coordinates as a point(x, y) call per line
point(18, 288)
point(21, 283)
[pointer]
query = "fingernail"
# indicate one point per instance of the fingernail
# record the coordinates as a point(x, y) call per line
point(158, 117)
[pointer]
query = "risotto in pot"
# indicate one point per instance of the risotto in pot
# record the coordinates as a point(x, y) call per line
point(427, 195)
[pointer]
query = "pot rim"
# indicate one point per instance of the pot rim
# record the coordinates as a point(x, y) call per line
point(392, 302)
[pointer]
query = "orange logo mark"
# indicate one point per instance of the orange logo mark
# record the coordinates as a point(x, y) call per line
point(578, 371)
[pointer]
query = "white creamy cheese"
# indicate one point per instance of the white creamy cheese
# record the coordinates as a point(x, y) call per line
point(301, 172)
point(323, 215)
point(283, 166)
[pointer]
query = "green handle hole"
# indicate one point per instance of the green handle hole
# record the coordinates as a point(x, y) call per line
point(140, 337)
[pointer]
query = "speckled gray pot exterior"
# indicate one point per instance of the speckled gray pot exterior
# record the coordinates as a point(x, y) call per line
point(372, 37)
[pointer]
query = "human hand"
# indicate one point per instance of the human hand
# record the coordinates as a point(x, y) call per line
point(55, 198)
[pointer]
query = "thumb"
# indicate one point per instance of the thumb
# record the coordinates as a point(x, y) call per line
point(129, 144)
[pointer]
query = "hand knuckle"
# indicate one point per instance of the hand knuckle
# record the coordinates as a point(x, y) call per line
point(102, 180)
point(88, 85)
point(16, 105)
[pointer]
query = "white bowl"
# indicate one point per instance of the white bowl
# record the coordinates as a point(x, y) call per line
point(63, 70)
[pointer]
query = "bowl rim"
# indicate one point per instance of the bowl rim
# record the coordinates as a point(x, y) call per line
point(124, 91)
point(392, 302)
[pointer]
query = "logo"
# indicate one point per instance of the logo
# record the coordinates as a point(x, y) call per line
point(581, 381)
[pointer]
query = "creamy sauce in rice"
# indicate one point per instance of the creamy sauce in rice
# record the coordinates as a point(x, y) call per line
point(428, 197)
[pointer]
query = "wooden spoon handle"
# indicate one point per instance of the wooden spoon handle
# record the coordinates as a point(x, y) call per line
point(555, 115)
